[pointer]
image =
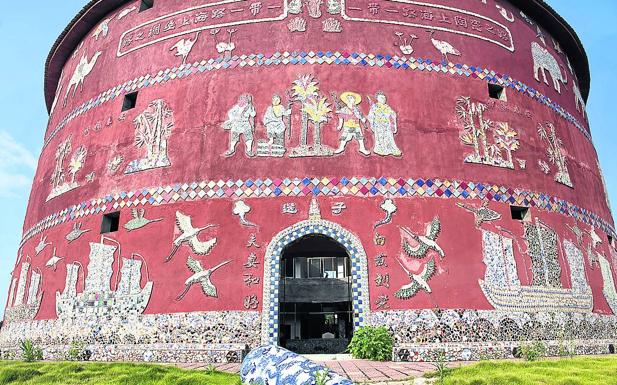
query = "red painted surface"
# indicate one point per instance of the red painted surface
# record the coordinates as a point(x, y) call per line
point(428, 136)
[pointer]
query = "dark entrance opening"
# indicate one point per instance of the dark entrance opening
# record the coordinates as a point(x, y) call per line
point(315, 310)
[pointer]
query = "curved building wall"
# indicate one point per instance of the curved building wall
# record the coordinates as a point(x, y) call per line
point(420, 195)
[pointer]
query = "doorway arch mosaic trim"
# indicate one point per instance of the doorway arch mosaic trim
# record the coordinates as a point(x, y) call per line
point(272, 272)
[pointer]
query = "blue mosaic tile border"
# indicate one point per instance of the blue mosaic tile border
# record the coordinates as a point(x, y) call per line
point(356, 186)
point(272, 273)
point(322, 58)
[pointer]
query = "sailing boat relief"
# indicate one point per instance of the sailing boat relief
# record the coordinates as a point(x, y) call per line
point(501, 284)
point(98, 298)
point(18, 310)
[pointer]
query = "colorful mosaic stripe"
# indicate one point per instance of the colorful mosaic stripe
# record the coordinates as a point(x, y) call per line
point(361, 187)
point(328, 58)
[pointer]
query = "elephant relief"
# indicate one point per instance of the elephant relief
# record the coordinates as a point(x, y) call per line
point(544, 61)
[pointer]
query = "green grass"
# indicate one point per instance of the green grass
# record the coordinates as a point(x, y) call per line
point(575, 371)
point(85, 373)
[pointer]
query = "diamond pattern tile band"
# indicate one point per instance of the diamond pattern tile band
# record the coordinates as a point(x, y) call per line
point(321, 58)
point(356, 186)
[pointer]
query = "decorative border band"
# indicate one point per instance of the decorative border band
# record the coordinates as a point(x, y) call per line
point(356, 186)
point(302, 58)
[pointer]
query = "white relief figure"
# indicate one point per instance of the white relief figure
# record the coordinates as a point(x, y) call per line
point(314, 108)
point(58, 176)
point(403, 44)
point(225, 48)
point(241, 209)
point(334, 7)
point(314, 8)
point(505, 13)
point(543, 61)
point(297, 24)
point(389, 208)
point(125, 12)
point(41, 245)
point(578, 98)
point(83, 69)
point(382, 120)
point(540, 35)
point(276, 120)
point(609, 289)
point(526, 18)
point(295, 6)
point(183, 47)
point(332, 25)
point(200, 276)
point(241, 121)
point(152, 130)
point(25, 307)
point(102, 28)
point(188, 235)
point(350, 120)
point(555, 153)
point(444, 47)
point(57, 94)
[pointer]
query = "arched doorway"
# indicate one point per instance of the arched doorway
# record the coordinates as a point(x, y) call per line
point(315, 296)
point(272, 270)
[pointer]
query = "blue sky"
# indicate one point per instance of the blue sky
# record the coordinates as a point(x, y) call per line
point(27, 33)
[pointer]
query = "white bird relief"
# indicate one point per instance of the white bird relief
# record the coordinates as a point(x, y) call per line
point(189, 235)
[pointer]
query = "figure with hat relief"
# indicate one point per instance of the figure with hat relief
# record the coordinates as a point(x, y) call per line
point(350, 120)
point(241, 121)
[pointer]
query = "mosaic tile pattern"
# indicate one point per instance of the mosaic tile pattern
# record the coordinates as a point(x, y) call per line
point(272, 273)
point(419, 335)
point(356, 186)
point(180, 337)
point(393, 62)
point(275, 365)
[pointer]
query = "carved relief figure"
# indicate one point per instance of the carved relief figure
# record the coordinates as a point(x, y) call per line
point(314, 8)
point(444, 47)
point(225, 48)
point(241, 121)
point(350, 120)
point(609, 291)
point(476, 131)
point(276, 120)
point(295, 6)
point(578, 98)
point(152, 130)
point(314, 109)
point(20, 310)
point(102, 28)
point(403, 44)
point(200, 276)
point(183, 47)
point(188, 235)
point(543, 61)
point(416, 248)
point(555, 152)
point(334, 7)
point(382, 120)
point(83, 69)
point(139, 220)
point(58, 177)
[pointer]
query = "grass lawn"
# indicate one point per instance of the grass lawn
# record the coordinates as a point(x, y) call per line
point(575, 371)
point(84, 373)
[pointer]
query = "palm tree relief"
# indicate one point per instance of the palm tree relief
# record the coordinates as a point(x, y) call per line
point(152, 130)
point(493, 142)
point(555, 153)
point(58, 177)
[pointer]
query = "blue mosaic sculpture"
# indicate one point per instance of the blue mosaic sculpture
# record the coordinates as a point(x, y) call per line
point(269, 365)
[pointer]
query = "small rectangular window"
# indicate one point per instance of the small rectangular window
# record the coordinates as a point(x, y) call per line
point(130, 100)
point(495, 91)
point(111, 223)
point(610, 240)
point(520, 213)
point(145, 5)
point(314, 268)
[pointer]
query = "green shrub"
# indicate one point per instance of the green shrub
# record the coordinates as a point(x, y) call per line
point(322, 377)
point(532, 351)
point(77, 352)
point(372, 343)
point(29, 352)
point(210, 369)
point(441, 366)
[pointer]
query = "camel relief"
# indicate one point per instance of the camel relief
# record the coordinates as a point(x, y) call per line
point(82, 70)
point(543, 61)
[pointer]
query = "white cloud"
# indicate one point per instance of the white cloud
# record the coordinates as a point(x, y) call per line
point(17, 165)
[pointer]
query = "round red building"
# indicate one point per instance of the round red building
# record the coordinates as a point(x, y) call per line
point(217, 175)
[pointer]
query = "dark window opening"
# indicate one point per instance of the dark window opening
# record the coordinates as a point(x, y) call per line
point(130, 100)
point(111, 223)
point(611, 349)
point(495, 91)
point(610, 240)
point(519, 213)
point(145, 5)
